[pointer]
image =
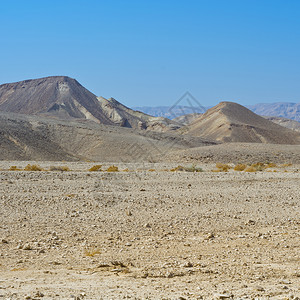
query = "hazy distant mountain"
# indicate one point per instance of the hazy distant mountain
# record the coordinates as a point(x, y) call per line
point(288, 123)
point(279, 109)
point(169, 112)
point(232, 122)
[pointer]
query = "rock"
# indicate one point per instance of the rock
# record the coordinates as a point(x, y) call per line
point(222, 296)
point(3, 241)
point(27, 247)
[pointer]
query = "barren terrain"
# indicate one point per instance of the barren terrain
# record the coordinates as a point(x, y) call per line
point(144, 234)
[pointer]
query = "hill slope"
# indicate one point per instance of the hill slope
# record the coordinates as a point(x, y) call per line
point(231, 122)
point(24, 137)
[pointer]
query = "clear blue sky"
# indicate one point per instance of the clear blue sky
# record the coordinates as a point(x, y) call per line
point(148, 53)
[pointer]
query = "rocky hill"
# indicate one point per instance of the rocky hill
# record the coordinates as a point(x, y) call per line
point(231, 122)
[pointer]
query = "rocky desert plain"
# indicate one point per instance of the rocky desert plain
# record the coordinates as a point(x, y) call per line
point(98, 201)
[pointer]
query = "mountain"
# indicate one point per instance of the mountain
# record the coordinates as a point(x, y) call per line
point(170, 112)
point(64, 98)
point(279, 109)
point(231, 122)
point(58, 96)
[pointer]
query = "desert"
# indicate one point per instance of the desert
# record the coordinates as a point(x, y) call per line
point(146, 232)
point(101, 201)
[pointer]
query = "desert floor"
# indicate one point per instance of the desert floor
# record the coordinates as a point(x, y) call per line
point(146, 234)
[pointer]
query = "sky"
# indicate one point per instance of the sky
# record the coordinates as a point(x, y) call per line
point(149, 53)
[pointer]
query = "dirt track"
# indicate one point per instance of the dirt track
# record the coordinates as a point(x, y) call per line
point(149, 235)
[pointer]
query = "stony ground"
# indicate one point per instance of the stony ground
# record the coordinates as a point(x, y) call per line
point(149, 235)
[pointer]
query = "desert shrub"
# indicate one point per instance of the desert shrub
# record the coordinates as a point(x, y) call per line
point(240, 167)
point(286, 165)
point(95, 168)
point(113, 169)
point(91, 252)
point(250, 169)
point(271, 165)
point(14, 168)
point(126, 170)
point(33, 168)
point(151, 170)
point(59, 168)
point(223, 167)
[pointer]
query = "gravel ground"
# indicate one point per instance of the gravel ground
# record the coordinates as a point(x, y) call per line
point(146, 234)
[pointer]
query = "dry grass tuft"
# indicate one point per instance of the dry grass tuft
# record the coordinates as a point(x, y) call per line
point(240, 167)
point(151, 170)
point(95, 168)
point(14, 168)
point(223, 167)
point(113, 169)
point(33, 168)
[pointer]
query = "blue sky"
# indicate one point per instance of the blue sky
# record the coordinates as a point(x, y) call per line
point(148, 53)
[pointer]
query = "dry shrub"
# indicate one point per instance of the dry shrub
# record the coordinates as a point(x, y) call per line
point(91, 252)
point(271, 165)
point(151, 170)
point(126, 170)
point(113, 169)
point(33, 168)
point(223, 167)
point(240, 167)
point(59, 168)
point(14, 168)
point(286, 165)
point(95, 168)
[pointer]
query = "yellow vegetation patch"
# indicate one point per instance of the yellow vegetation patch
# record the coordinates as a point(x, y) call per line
point(95, 168)
point(240, 167)
point(113, 169)
point(33, 168)
point(14, 168)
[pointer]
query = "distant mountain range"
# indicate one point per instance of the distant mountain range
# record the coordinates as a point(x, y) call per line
point(279, 109)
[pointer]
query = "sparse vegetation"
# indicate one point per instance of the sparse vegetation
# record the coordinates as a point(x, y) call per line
point(14, 168)
point(59, 168)
point(30, 167)
point(240, 167)
point(151, 170)
point(112, 169)
point(223, 167)
point(95, 168)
